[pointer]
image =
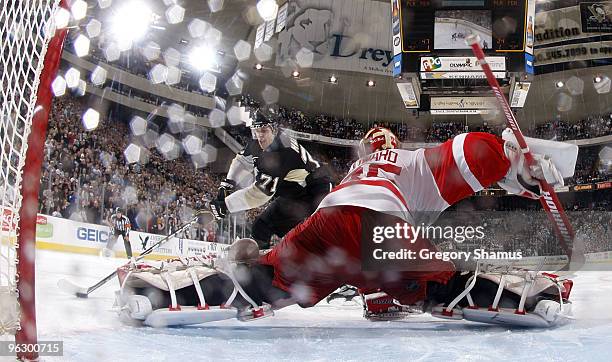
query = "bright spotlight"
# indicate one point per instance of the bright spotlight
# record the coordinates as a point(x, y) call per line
point(267, 9)
point(559, 84)
point(333, 79)
point(258, 66)
point(295, 74)
point(131, 21)
point(202, 57)
point(370, 83)
point(597, 79)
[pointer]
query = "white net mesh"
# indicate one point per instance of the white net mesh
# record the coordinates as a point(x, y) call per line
point(25, 32)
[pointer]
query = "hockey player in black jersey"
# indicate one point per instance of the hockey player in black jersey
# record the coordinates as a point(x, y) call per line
point(281, 171)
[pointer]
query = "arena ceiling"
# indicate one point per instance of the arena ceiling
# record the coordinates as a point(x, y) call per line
point(350, 98)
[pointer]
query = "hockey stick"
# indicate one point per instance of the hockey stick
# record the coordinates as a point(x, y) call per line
point(203, 218)
point(549, 200)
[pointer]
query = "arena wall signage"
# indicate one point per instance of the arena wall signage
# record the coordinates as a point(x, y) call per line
point(519, 94)
point(460, 64)
point(458, 111)
point(574, 52)
point(459, 75)
point(408, 94)
point(596, 16)
point(281, 18)
point(350, 35)
point(53, 233)
point(583, 187)
point(559, 25)
point(457, 103)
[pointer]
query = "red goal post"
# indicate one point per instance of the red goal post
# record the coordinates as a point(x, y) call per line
point(31, 49)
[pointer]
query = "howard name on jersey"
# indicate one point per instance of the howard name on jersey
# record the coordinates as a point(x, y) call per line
point(284, 169)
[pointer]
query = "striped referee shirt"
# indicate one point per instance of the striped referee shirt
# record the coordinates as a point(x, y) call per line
point(120, 223)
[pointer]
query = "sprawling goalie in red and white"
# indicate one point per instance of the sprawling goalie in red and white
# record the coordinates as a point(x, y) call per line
point(387, 186)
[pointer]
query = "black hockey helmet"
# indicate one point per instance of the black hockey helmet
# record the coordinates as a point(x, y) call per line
point(118, 210)
point(262, 118)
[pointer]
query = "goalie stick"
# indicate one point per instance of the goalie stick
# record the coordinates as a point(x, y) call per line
point(548, 198)
point(203, 217)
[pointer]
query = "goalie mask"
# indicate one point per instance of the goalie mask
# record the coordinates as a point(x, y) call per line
point(377, 139)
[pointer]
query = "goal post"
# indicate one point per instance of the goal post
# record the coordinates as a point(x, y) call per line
point(31, 49)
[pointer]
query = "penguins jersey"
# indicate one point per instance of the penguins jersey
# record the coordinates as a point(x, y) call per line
point(284, 169)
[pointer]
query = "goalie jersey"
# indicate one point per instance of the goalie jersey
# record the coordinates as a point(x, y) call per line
point(418, 185)
point(285, 169)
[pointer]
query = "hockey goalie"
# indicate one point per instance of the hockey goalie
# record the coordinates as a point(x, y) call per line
point(386, 186)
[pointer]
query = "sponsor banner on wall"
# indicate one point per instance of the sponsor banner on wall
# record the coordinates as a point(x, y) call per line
point(596, 16)
point(72, 236)
point(560, 25)
point(281, 18)
point(259, 35)
point(530, 32)
point(583, 187)
point(409, 97)
point(458, 111)
point(574, 52)
point(529, 64)
point(519, 94)
point(269, 29)
point(395, 27)
point(456, 103)
point(460, 64)
point(459, 75)
point(604, 185)
point(350, 35)
point(299, 135)
point(562, 189)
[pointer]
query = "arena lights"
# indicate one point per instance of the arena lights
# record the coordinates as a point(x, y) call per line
point(370, 83)
point(597, 79)
point(131, 21)
point(202, 57)
point(559, 84)
point(267, 9)
point(258, 66)
point(295, 74)
point(332, 79)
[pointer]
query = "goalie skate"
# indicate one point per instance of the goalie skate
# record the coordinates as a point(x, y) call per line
point(379, 306)
point(522, 298)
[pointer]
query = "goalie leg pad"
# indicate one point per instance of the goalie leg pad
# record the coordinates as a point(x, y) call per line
point(510, 296)
point(190, 291)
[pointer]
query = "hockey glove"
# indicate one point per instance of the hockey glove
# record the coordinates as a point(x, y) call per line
point(523, 180)
point(219, 209)
point(226, 188)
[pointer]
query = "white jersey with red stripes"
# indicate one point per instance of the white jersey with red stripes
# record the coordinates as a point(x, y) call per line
point(418, 185)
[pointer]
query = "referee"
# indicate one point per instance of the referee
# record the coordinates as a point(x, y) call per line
point(120, 225)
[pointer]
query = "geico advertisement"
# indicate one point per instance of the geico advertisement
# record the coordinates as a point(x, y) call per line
point(58, 231)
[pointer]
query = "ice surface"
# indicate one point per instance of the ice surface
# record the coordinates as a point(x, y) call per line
point(91, 331)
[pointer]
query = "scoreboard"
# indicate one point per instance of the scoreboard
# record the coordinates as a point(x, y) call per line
point(439, 28)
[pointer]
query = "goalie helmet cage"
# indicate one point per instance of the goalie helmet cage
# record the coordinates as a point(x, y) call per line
point(31, 48)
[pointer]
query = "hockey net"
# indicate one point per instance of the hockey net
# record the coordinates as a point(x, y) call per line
point(31, 48)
